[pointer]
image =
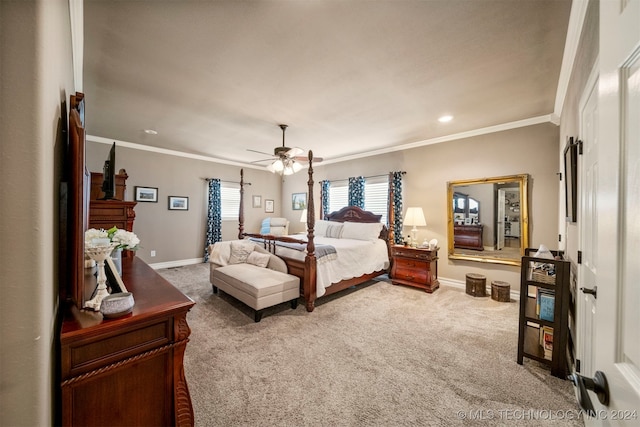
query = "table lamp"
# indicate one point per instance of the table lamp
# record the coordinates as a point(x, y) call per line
point(303, 218)
point(415, 218)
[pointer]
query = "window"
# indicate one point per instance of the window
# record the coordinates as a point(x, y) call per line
point(376, 196)
point(230, 201)
point(338, 196)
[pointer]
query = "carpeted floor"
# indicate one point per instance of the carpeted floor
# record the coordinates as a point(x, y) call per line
point(380, 355)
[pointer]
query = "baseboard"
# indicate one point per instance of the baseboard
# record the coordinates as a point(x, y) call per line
point(458, 284)
point(178, 263)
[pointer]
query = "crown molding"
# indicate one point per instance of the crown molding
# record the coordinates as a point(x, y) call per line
point(576, 22)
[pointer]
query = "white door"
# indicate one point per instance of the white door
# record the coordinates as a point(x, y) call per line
point(500, 220)
point(617, 346)
point(588, 217)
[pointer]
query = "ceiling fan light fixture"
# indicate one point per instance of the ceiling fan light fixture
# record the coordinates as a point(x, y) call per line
point(276, 167)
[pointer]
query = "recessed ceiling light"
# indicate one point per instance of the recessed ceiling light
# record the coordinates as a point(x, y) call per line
point(445, 119)
point(150, 132)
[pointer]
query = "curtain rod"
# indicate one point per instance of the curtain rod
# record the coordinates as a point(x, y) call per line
point(372, 176)
point(230, 182)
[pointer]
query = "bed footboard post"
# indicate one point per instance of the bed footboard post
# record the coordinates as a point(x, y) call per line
point(309, 282)
point(241, 210)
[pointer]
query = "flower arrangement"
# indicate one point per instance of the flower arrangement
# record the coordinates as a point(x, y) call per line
point(123, 239)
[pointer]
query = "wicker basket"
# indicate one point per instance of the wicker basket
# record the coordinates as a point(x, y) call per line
point(537, 276)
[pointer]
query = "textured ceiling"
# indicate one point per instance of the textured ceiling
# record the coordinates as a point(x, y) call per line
point(215, 78)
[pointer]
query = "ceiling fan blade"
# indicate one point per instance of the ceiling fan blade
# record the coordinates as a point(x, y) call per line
point(260, 152)
point(293, 152)
point(306, 159)
point(263, 160)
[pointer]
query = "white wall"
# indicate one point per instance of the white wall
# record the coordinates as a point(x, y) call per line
point(37, 78)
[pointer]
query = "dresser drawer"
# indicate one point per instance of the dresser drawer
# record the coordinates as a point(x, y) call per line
point(85, 355)
point(415, 272)
point(408, 253)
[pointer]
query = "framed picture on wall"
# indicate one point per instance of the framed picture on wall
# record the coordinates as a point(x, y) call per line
point(268, 206)
point(178, 203)
point(257, 201)
point(146, 194)
point(298, 201)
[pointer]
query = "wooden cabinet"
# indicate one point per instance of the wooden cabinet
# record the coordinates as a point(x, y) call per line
point(536, 321)
point(129, 370)
point(415, 267)
point(111, 213)
point(468, 236)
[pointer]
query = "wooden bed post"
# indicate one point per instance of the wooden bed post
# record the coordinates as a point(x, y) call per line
point(241, 213)
point(309, 282)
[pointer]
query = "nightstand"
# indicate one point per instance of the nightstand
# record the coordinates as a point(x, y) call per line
point(416, 267)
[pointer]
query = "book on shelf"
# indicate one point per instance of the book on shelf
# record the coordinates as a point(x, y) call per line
point(546, 341)
point(546, 302)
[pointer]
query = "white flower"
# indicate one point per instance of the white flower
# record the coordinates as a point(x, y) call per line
point(123, 238)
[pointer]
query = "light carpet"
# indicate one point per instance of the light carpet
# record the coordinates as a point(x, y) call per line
point(379, 355)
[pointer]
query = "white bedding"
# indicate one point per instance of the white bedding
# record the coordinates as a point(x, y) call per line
point(354, 258)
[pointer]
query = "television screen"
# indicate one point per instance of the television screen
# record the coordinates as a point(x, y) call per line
point(109, 175)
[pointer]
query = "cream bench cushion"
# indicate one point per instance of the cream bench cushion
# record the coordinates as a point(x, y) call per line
point(255, 286)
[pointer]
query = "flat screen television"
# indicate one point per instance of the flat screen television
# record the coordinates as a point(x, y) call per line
point(109, 175)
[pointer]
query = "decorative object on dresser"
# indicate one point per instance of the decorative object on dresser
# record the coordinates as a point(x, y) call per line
point(417, 267)
point(414, 217)
point(476, 285)
point(545, 311)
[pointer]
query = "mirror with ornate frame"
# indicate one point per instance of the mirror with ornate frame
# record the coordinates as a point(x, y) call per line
point(488, 219)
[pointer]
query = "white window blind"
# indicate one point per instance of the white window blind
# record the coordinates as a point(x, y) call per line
point(338, 196)
point(376, 196)
point(230, 201)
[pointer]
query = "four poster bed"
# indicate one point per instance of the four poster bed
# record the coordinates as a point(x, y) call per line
point(323, 262)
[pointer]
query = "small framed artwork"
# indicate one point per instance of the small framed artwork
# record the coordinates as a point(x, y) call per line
point(268, 206)
point(468, 221)
point(257, 201)
point(178, 203)
point(298, 201)
point(146, 194)
point(114, 279)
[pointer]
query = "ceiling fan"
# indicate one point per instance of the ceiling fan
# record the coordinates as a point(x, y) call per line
point(287, 160)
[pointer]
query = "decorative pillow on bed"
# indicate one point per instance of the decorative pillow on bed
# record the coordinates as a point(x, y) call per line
point(258, 259)
point(240, 250)
point(361, 231)
point(334, 230)
point(320, 227)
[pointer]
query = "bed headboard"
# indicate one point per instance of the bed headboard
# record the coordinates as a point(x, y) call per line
point(356, 214)
point(353, 214)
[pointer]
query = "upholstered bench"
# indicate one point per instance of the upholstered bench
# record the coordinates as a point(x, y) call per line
point(258, 286)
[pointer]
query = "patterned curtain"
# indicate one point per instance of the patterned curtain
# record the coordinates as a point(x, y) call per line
point(214, 217)
point(396, 183)
point(324, 198)
point(356, 191)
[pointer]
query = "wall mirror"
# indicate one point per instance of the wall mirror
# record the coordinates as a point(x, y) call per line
point(488, 219)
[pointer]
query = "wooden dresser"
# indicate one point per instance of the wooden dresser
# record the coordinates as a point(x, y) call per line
point(468, 237)
point(127, 371)
point(415, 267)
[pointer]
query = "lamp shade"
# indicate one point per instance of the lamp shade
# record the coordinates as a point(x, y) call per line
point(303, 217)
point(414, 217)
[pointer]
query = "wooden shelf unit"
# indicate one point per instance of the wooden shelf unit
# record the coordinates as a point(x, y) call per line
point(530, 322)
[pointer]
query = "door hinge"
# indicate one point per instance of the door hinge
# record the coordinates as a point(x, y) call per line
point(559, 237)
point(579, 143)
point(577, 365)
point(579, 257)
